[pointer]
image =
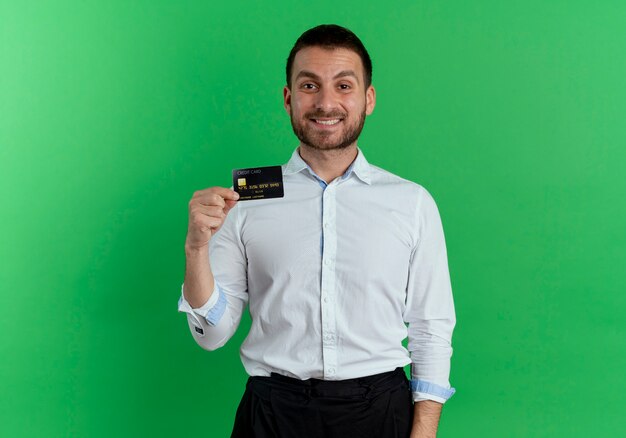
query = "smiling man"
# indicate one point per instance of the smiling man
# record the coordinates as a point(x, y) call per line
point(317, 118)
point(337, 273)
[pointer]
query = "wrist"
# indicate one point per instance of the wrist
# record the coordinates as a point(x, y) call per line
point(196, 251)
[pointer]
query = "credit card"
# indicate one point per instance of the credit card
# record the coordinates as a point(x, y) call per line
point(258, 182)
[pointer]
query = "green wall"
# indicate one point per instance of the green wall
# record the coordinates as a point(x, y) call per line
point(512, 114)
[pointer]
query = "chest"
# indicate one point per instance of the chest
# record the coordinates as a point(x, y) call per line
point(368, 234)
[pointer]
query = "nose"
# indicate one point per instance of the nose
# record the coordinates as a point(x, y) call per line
point(325, 99)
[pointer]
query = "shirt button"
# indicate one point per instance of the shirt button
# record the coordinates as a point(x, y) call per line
point(326, 225)
point(327, 262)
point(331, 371)
point(325, 299)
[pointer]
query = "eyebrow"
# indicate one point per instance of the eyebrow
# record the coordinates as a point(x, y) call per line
point(341, 74)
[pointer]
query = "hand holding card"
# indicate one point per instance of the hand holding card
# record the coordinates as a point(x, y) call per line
point(258, 182)
point(207, 210)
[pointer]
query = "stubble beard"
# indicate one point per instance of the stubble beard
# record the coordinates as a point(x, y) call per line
point(318, 139)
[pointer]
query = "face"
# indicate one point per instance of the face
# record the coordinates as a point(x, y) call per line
point(328, 101)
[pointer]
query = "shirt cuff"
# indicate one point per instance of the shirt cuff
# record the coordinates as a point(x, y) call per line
point(423, 390)
point(211, 311)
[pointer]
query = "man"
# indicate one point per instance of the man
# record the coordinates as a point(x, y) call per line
point(333, 272)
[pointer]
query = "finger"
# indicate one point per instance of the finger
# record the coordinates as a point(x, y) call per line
point(226, 193)
point(208, 199)
point(204, 223)
point(229, 205)
point(210, 196)
point(209, 210)
point(214, 222)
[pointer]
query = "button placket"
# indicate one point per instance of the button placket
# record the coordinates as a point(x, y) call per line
point(329, 338)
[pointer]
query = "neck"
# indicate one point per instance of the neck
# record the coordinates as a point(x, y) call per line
point(330, 164)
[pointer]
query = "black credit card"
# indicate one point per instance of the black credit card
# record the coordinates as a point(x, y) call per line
point(258, 182)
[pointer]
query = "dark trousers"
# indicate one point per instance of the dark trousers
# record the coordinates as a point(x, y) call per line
point(377, 406)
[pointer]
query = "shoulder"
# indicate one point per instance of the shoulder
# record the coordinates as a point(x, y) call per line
point(413, 197)
point(405, 186)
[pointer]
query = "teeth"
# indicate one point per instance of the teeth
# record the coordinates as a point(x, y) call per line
point(328, 122)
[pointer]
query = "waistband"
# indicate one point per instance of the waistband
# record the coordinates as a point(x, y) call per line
point(366, 387)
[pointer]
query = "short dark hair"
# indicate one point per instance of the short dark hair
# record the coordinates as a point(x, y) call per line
point(331, 36)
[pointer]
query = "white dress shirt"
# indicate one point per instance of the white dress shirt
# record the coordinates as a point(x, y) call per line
point(333, 274)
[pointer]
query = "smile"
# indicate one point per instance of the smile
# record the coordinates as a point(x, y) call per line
point(327, 122)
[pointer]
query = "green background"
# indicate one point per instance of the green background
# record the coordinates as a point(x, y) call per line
point(113, 113)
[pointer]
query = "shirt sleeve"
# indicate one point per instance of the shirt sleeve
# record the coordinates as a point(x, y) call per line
point(429, 312)
point(214, 323)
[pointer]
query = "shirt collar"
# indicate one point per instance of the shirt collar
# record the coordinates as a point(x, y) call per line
point(359, 166)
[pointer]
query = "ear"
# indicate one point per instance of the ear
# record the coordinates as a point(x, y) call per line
point(370, 100)
point(287, 99)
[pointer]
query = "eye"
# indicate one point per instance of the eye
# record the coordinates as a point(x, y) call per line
point(345, 86)
point(306, 85)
